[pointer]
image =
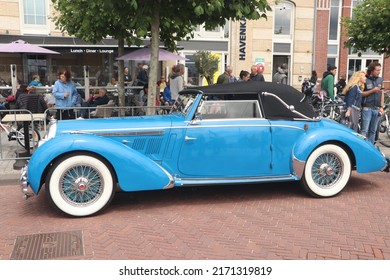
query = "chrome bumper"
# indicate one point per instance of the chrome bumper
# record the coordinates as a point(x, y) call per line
point(23, 183)
point(387, 168)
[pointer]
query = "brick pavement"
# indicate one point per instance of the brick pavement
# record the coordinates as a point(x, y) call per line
point(271, 221)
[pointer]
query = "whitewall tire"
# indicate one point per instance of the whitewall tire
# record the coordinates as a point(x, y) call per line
point(327, 171)
point(80, 185)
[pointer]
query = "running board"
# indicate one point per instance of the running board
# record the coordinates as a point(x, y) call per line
point(179, 182)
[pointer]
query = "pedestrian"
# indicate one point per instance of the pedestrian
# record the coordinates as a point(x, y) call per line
point(66, 95)
point(280, 76)
point(353, 99)
point(244, 76)
point(224, 78)
point(176, 81)
point(327, 83)
point(256, 75)
point(340, 85)
point(373, 99)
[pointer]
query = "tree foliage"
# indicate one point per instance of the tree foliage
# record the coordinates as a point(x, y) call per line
point(369, 27)
point(163, 21)
point(207, 64)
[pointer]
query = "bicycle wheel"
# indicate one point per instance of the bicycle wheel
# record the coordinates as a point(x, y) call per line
point(34, 136)
point(383, 133)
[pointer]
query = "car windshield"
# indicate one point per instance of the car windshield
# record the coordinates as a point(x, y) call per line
point(183, 103)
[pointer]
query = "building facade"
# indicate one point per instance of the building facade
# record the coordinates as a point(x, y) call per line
point(29, 20)
point(306, 35)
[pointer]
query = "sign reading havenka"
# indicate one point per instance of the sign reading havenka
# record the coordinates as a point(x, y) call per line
point(87, 50)
point(242, 36)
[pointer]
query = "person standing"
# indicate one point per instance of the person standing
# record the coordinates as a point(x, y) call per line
point(353, 98)
point(373, 98)
point(66, 95)
point(224, 78)
point(126, 76)
point(327, 83)
point(143, 77)
point(255, 75)
point(280, 76)
point(340, 85)
point(176, 81)
point(244, 76)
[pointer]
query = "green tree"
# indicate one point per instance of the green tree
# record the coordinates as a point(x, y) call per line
point(165, 21)
point(369, 27)
point(206, 64)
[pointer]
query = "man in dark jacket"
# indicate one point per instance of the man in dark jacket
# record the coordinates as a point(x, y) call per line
point(255, 75)
point(373, 99)
point(97, 99)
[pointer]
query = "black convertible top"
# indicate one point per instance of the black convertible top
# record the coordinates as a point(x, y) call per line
point(273, 108)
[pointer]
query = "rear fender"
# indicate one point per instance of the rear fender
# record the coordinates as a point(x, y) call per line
point(134, 171)
point(367, 157)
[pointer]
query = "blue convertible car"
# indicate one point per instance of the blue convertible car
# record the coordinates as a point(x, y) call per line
point(250, 132)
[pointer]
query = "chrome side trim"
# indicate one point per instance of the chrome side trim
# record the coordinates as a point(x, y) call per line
point(299, 167)
point(161, 130)
point(125, 133)
point(171, 183)
point(223, 181)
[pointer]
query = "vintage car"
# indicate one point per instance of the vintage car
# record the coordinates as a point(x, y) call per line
point(246, 132)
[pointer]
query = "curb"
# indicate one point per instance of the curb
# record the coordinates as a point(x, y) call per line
point(9, 179)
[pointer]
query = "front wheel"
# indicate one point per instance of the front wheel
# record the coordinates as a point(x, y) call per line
point(327, 171)
point(80, 185)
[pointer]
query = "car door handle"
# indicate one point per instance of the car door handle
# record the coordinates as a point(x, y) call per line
point(189, 138)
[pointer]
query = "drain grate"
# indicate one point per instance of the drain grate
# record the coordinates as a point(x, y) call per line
point(46, 246)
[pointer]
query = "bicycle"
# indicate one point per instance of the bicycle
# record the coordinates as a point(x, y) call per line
point(383, 131)
point(327, 108)
point(17, 134)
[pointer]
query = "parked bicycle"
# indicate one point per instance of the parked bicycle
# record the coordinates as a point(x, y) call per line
point(383, 131)
point(16, 133)
point(326, 107)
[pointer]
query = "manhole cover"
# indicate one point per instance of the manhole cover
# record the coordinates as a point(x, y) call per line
point(48, 246)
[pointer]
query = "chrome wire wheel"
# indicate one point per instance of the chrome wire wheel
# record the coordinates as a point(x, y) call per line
point(327, 171)
point(80, 185)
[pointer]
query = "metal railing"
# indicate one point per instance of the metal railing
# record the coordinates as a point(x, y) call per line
point(12, 149)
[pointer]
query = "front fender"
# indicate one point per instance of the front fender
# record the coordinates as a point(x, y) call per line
point(135, 171)
point(368, 157)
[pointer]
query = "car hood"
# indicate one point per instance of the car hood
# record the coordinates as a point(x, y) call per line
point(101, 125)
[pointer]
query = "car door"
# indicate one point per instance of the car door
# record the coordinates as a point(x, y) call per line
point(226, 146)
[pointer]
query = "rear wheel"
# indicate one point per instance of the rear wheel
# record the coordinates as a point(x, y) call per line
point(327, 171)
point(80, 185)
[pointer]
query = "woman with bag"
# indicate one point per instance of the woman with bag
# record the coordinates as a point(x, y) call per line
point(353, 99)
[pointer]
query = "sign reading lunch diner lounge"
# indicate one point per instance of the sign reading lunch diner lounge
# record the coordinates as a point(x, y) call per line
point(88, 50)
